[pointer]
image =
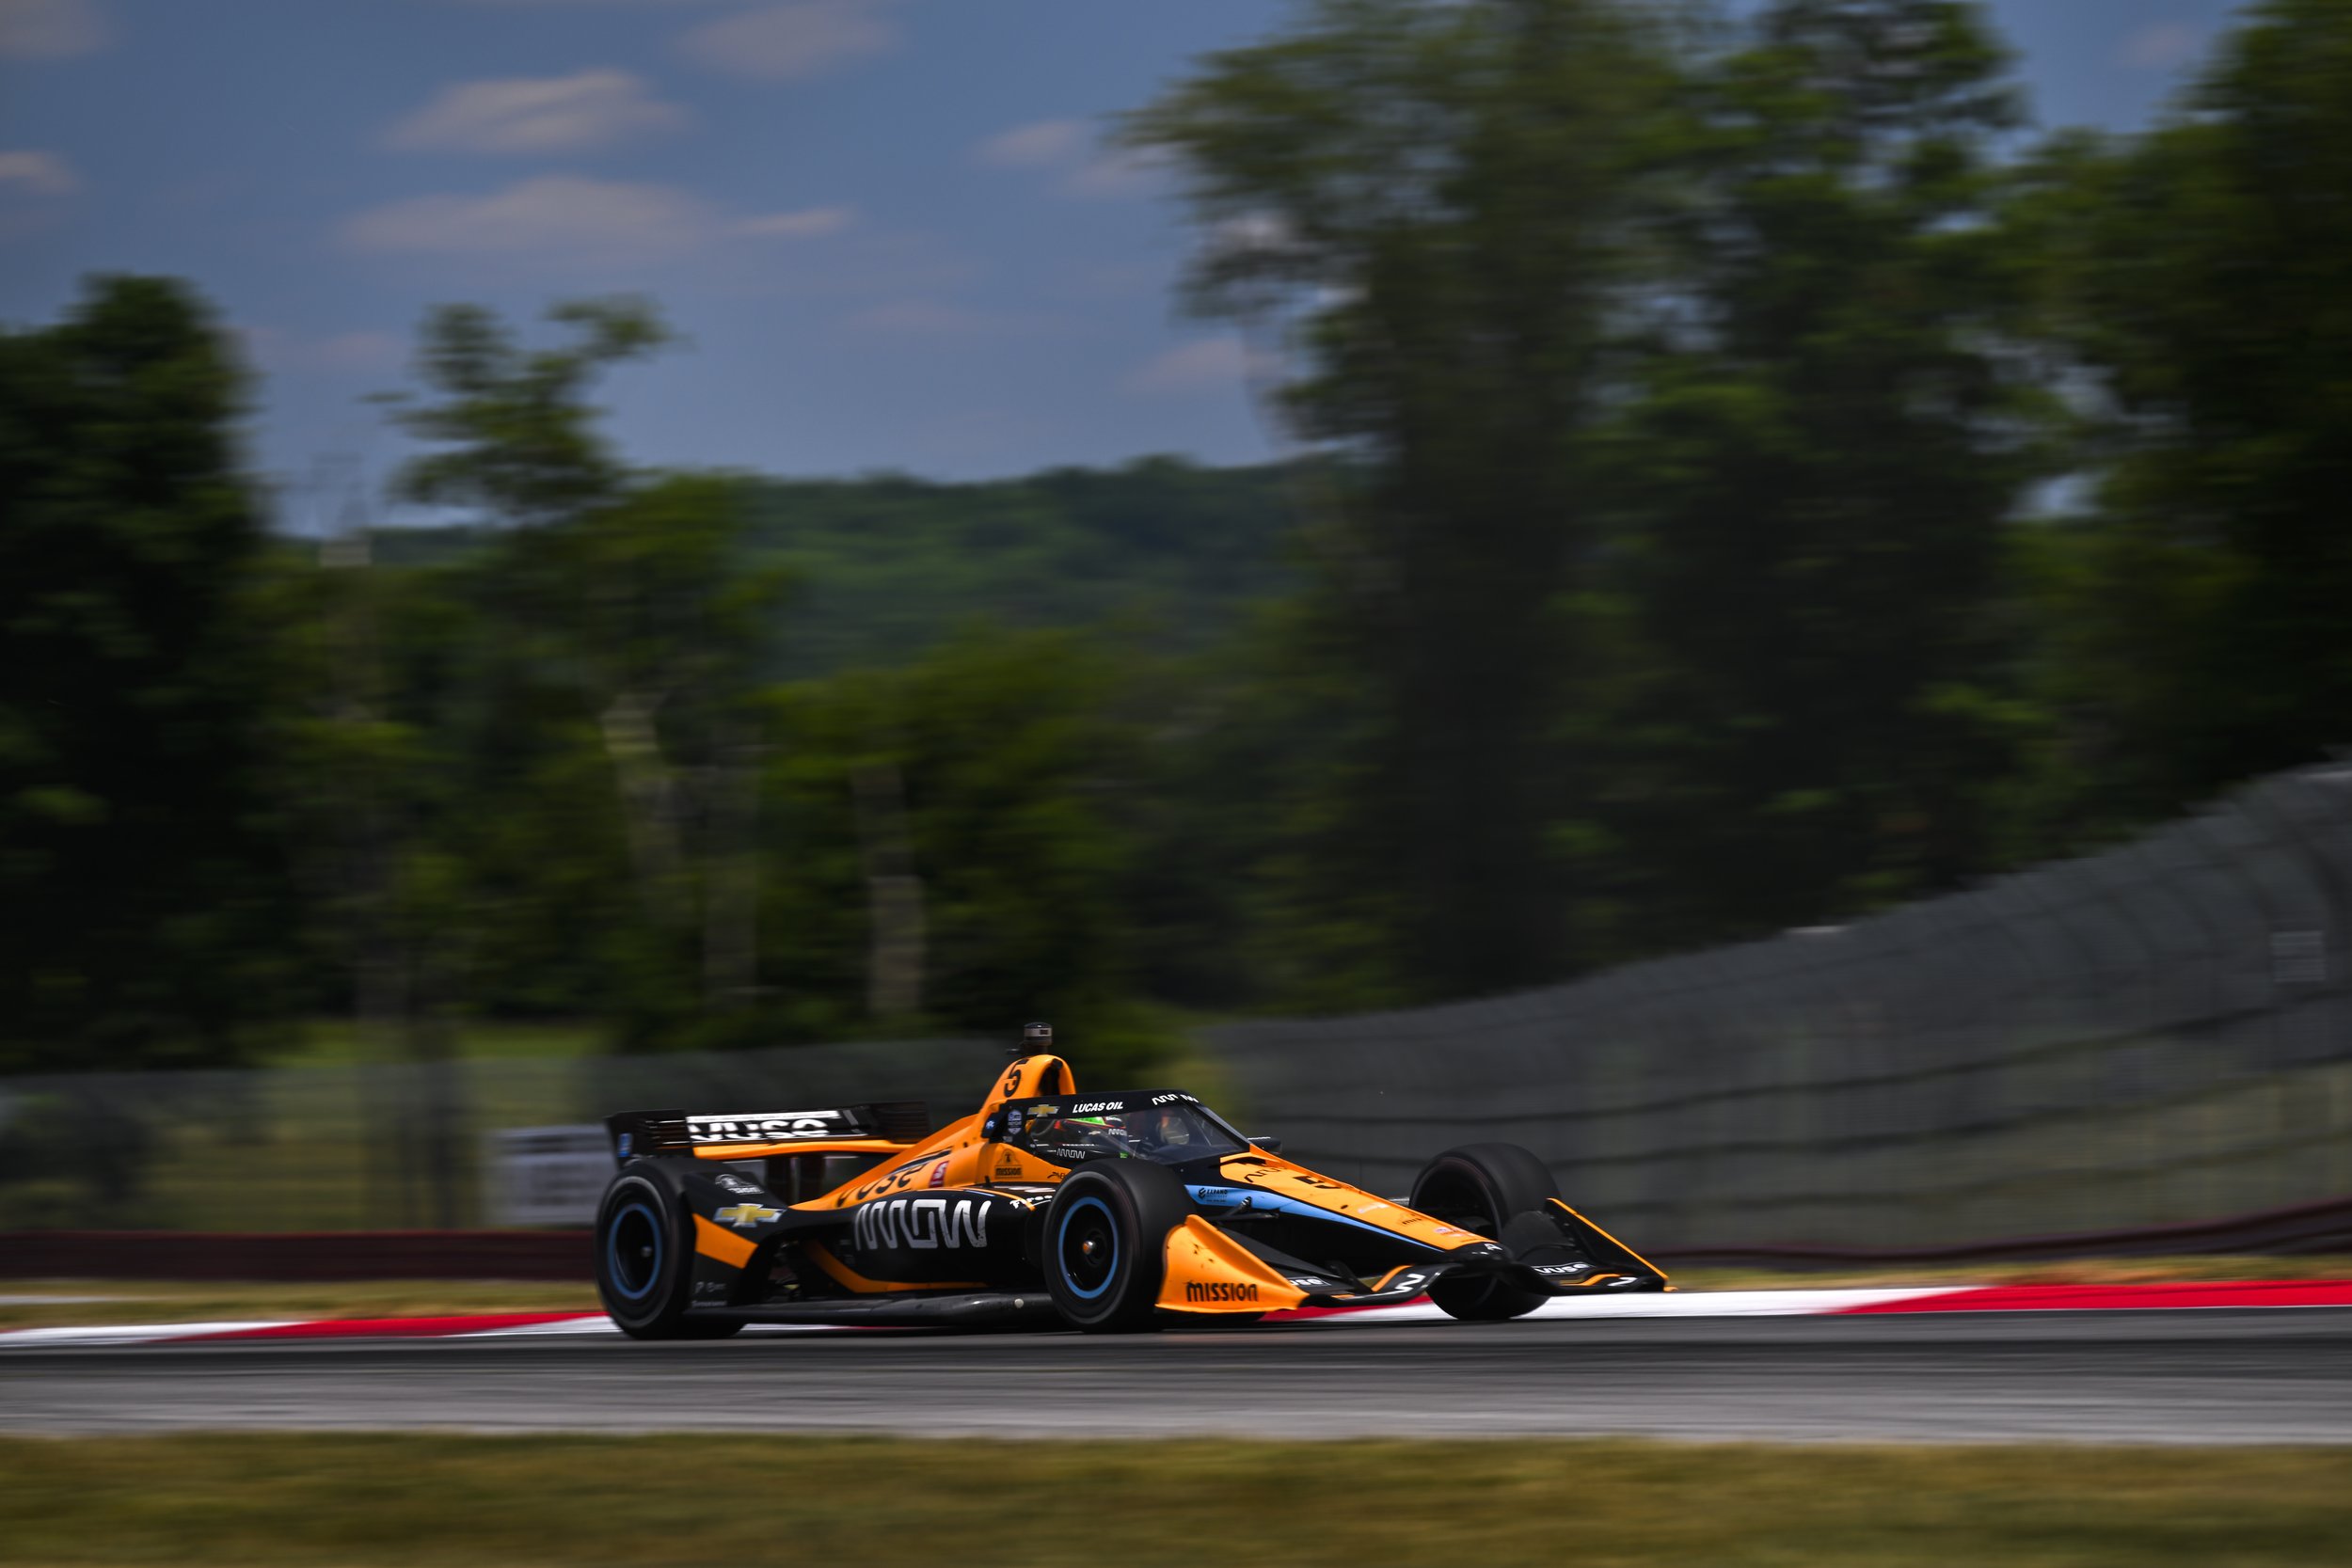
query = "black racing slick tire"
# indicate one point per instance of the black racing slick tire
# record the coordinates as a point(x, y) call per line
point(1479, 1187)
point(1104, 1242)
point(645, 1255)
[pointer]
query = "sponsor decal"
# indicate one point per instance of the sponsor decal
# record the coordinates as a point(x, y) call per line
point(896, 1180)
point(920, 1223)
point(734, 1183)
point(1561, 1268)
point(1012, 1124)
point(1218, 1290)
point(1008, 1164)
point(1171, 1098)
point(627, 1139)
point(1042, 1111)
point(1221, 1198)
point(939, 1175)
point(746, 1215)
point(1085, 1107)
point(767, 1127)
point(705, 1289)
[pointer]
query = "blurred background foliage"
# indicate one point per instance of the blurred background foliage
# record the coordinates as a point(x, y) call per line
point(1741, 476)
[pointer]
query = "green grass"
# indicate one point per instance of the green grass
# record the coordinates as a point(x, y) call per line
point(516, 1502)
point(338, 1042)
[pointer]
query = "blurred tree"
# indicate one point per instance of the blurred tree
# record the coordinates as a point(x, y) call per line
point(515, 433)
point(997, 772)
point(615, 610)
point(2197, 282)
point(144, 908)
point(1440, 207)
point(1808, 705)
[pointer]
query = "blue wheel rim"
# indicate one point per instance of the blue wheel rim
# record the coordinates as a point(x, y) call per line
point(1061, 1248)
point(651, 1267)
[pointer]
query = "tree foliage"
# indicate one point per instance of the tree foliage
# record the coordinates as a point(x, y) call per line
point(1743, 481)
point(1443, 209)
point(142, 901)
point(2194, 281)
point(1804, 701)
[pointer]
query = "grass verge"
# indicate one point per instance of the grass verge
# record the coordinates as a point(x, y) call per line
point(516, 1502)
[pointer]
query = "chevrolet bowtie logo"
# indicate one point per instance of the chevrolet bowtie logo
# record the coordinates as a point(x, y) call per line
point(746, 1214)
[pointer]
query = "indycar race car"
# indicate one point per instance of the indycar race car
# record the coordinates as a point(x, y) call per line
point(1101, 1211)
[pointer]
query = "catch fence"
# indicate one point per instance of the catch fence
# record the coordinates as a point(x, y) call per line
point(397, 1145)
point(2155, 1034)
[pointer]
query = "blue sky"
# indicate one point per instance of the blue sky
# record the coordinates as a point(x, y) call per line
point(887, 227)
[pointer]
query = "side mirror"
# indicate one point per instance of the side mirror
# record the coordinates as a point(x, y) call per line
point(1272, 1146)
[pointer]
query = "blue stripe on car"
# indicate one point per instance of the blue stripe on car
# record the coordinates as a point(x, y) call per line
point(1257, 1201)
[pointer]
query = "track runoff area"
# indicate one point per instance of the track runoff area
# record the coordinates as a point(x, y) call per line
point(2210, 1362)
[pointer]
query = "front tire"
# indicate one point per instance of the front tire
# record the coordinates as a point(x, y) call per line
point(1104, 1242)
point(646, 1257)
point(1479, 1187)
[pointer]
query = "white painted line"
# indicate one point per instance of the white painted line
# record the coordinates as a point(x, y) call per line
point(1730, 1304)
point(122, 1334)
point(599, 1323)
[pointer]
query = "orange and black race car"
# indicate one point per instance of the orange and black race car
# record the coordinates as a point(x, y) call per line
point(1102, 1212)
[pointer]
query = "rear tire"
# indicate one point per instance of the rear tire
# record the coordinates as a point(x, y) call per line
point(1104, 1250)
point(1479, 1187)
point(646, 1257)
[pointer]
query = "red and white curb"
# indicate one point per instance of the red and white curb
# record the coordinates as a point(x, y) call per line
point(1690, 1304)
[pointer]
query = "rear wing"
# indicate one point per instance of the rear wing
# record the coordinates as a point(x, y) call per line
point(637, 1133)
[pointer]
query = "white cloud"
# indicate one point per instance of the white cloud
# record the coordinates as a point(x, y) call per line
point(52, 29)
point(38, 173)
point(1046, 143)
point(804, 37)
point(536, 115)
point(1117, 172)
point(1204, 363)
point(555, 218)
point(809, 223)
point(1088, 168)
point(564, 220)
point(2161, 46)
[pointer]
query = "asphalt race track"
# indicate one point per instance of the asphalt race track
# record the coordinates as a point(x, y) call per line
point(2221, 1376)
